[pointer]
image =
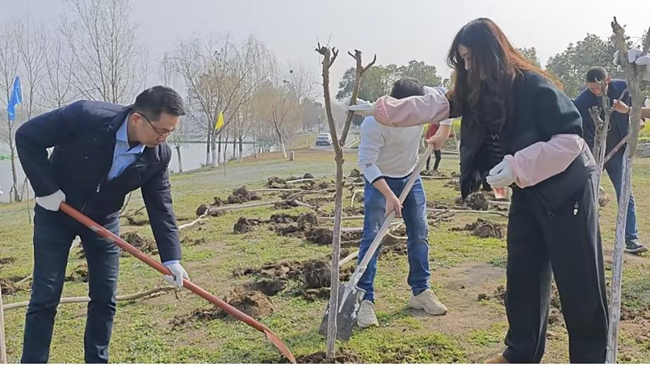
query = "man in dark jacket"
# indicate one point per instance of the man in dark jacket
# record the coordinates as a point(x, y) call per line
point(102, 151)
point(619, 128)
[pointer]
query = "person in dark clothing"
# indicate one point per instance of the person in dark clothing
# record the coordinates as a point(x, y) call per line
point(102, 151)
point(431, 131)
point(520, 130)
point(619, 128)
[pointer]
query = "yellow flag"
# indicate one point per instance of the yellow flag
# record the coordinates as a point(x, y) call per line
point(219, 121)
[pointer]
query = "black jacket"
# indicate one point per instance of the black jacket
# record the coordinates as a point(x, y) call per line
point(539, 110)
point(83, 137)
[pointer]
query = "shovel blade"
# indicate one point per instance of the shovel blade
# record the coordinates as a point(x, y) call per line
point(347, 316)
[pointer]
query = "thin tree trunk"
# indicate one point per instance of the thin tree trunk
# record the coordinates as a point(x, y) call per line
point(180, 160)
point(14, 172)
point(255, 147)
point(633, 74)
point(3, 344)
point(207, 149)
point(241, 149)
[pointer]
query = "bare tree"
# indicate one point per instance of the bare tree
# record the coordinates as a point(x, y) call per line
point(221, 77)
point(101, 39)
point(57, 87)
point(9, 64)
point(31, 44)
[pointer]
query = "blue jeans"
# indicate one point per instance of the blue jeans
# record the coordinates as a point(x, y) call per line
point(614, 169)
point(53, 235)
point(414, 213)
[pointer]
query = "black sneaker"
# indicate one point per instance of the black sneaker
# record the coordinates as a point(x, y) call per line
point(634, 247)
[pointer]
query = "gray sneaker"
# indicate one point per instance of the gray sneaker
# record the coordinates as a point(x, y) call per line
point(366, 317)
point(634, 247)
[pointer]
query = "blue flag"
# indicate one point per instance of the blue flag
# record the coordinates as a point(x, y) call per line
point(15, 98)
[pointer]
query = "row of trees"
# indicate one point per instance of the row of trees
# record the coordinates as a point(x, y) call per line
point(91, 52)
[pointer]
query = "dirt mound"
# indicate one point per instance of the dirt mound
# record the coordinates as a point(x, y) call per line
point(144, 244)
point(355, 173)
point(314, 294)
point(431, 173)
point(244, 225)
point(137, 220)
point(283, 218)
point(307, 219)
point(8, 286)
point(317, 274)
point(283, 270)
point(269, 287)
point(275, 182)
point(477, 201)
point(323, 185)
point(242, 195)
point(483, 229)
point(285, 205)
point(79, 274)
point(308, 176)
point(453, 183)
point(202, 209)
point(319, 235)
point(353, 211)
point(292, 230)
point(342, 356)
point(8, 260)
point(253, 303)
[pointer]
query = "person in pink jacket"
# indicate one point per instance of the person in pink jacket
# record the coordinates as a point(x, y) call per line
point(520, 130)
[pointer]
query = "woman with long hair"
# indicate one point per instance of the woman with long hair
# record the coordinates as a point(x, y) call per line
point(520, 130)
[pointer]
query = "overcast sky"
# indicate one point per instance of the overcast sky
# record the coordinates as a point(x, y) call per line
point(397, 31)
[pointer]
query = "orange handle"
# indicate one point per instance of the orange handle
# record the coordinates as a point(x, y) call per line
point(100, 230)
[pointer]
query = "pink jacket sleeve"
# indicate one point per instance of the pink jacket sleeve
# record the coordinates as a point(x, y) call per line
point(543, 160)
point(411, 111)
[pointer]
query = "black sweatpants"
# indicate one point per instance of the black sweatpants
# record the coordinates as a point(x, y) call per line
point(566, 244)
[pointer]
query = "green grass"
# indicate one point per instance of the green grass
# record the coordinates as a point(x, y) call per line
point(143, 331)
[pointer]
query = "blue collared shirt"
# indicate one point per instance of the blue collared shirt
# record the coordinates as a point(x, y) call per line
point(123, 155)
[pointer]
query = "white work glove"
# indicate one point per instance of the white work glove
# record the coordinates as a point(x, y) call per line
point(363, 108)
point(178, 274)
point(501, 175)
point(51, 202)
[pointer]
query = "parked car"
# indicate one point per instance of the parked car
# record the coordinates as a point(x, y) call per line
point(323, 139)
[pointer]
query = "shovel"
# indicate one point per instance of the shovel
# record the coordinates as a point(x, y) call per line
point(186, 283)
point(350, 295)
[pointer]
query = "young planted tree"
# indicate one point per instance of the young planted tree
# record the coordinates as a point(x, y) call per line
point(634, 75)
point(329, 56)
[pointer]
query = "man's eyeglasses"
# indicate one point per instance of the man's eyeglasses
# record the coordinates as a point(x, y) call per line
point(159, 132)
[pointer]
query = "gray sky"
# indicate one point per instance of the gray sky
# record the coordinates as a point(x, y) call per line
point(397, 31)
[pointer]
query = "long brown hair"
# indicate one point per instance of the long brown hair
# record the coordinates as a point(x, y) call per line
point(495, 66)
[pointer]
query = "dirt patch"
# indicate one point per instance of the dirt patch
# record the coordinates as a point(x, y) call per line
point(79, 274)
point(283, 218)
point(144, 244)
point(308, 176)
point(355, 173)
point(307, 219)
point(294, 226)
point(269, 287)
point(431, 173)
point(242, 195)
point(202, 209)
point(8, 286)
point(314, 294)
point(323, 185)
point(342, 356)
point(285, 205)
point(6, 261)
point(483, 229)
